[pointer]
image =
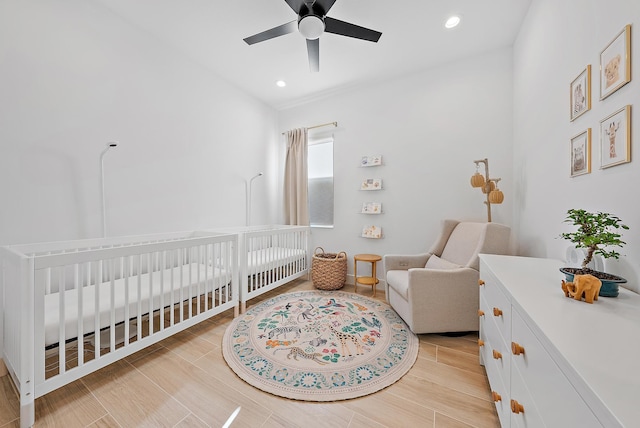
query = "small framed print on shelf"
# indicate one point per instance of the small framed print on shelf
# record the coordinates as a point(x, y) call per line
point(374, 160)
point(615, 138)
point(580, 94)
point(581, 153)
point(372, 232)
point(371, 208)
point(615, 63)
point(371, 184)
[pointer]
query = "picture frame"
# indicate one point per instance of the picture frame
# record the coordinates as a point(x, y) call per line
point(371, 184)
point(615, 63)
point(581, 153)
point(371, 208)
point(374, 160)
point(372, 232)
point(580, 94)
point(615, 138)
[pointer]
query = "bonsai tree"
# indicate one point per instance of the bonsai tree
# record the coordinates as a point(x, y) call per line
point(595, 232)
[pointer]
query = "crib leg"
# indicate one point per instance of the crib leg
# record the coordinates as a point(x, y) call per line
point(27, 414)
point(236, 311)
point(243, 307)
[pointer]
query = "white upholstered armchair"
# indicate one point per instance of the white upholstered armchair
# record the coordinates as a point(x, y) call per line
point(437, 292)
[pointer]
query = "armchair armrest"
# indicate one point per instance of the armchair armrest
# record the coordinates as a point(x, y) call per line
point(404, 262)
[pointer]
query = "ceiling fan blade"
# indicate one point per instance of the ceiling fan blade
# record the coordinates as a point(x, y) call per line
point(280, 30)
point(342, 28)
point(296, 5)
point(313, 49)
point(325, 5)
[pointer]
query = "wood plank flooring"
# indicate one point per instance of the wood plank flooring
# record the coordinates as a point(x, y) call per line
point(184, 381)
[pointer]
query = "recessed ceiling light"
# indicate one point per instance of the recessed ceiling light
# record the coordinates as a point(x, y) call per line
point(281, 83)
point(453, 21)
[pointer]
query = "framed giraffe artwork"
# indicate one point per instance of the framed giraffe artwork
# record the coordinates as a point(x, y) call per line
point(615, 138)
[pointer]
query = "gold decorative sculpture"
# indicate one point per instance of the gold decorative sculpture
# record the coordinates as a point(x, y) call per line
point(489, 186)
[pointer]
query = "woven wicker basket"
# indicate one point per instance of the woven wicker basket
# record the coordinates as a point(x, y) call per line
point(329, 270)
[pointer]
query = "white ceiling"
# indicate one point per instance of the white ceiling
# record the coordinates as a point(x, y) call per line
point(211, 33)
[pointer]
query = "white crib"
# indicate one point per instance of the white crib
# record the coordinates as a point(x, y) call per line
point(134, 291)
point(270, 256)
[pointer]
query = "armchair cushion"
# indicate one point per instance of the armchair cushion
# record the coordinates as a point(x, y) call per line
point(399, 280)
point(436, 262)
point(463, 242)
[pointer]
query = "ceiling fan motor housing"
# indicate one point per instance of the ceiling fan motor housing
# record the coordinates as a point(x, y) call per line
point(311, 26)
point(311, 20)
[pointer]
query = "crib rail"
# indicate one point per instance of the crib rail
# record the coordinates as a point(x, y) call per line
point(71, 311)
point(270, 258)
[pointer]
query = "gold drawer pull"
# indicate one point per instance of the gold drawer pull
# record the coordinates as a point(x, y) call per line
point(480, 313)
point(496, 397)
point(497, 312)
point(516, 407)
point(480, 342)
point(480, 282)
point(497, 355)
point(517, 349)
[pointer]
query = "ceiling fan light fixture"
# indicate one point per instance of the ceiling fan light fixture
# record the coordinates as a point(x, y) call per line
point(452, 22)
point(311, 27)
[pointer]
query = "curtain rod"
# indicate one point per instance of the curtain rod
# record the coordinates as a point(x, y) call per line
point(320, 126)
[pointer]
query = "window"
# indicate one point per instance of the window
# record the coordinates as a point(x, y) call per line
point(320, 170)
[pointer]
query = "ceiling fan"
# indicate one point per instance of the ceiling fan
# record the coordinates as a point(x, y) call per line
point(311, 23)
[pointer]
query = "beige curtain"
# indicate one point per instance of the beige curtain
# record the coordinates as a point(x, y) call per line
point(296, 200)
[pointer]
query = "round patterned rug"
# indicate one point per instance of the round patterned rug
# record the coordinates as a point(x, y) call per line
point(320, 346)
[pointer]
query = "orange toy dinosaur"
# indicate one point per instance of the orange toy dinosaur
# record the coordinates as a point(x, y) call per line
point(587, 285)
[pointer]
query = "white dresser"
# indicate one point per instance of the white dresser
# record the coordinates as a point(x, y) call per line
point(553, 361)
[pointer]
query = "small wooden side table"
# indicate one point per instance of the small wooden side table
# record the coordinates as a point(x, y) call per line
point(366, 280)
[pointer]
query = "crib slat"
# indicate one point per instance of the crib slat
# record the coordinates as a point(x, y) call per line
point(126, 268)
point(169, 271)
point(207, 251)
point(163, 266)
point(191, 256)
point(112, 305)
point(181, 262)
point(61, 320)
point(198, 260)
point(81, 276)
point(40, 279)
point(96, 311)
point(150, 305)
point(139, 285)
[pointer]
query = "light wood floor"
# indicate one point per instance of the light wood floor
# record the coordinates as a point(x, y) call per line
point(184, 381)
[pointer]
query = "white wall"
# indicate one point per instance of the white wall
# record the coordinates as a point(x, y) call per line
point(555, 44)
point(429, 127)
point(74, 76)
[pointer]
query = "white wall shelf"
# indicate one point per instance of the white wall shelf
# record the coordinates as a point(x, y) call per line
point(371, 161)
point(370, 231)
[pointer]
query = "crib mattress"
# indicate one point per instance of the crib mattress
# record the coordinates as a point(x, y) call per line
point(160, 285)
point(272, 258)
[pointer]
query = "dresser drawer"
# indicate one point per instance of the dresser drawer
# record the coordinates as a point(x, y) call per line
point(555, 397)
point(526, 416)
point(497, 383)
point(498, 305)
point(495, 353)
